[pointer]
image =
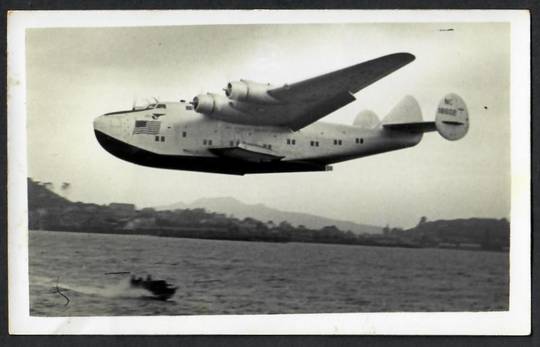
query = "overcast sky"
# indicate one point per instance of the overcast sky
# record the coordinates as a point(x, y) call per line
point(74, 75)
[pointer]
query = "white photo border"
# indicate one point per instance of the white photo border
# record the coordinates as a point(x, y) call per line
point(516, 321)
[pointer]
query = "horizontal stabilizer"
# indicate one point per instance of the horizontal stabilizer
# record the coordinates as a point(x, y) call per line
point(451, 118)
point(247, 152)
point(415, 127)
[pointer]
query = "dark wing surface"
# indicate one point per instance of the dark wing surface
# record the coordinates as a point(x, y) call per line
point(248, 153)
point(348, 80)
point(299, 104)
point(317, 97)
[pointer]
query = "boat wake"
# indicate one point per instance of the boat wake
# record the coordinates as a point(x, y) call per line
point(123, 289)
point(116, 289)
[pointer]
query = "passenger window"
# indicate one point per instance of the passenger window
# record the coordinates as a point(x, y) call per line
point(157, 138)
point(184, 134)
point(162, 138)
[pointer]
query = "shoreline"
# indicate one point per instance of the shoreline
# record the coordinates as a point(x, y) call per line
point(255, 238)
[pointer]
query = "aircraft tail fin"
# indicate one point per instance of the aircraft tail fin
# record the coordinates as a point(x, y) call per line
point(406, 111)
point(451, 119)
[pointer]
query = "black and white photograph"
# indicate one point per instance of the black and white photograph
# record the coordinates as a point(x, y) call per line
point(269, 172)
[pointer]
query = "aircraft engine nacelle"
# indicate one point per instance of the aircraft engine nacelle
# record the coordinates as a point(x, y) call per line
point(247, 91)
point(204, 103)
point(218, 107)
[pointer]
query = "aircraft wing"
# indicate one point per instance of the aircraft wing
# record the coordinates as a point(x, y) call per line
point(345, 81)
point(314, 98)
point(246, 152)
point(299, 104)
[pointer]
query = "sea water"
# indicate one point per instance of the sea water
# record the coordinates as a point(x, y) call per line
point(235, 277)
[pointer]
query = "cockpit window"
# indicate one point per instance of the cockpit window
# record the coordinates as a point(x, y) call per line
point(136, 108)
point(146, 104)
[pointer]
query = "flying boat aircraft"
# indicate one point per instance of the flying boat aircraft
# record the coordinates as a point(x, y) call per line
point(263, 128)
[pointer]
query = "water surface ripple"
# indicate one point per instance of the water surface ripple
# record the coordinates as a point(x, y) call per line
point(232, 277)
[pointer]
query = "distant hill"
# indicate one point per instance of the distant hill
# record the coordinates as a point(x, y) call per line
point(490, 233)
point(41, 197)
point(238, 209)
point(204, 219)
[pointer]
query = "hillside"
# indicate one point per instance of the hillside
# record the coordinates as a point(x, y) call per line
point(238, 209)
point(49, 211)
point(41, 197)
point(487, 232)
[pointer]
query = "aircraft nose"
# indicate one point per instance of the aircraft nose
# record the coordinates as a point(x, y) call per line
point(100, 124)
point(109, 126)
point(109, 134)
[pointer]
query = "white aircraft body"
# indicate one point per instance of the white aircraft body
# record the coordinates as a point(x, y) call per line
point(261, 128)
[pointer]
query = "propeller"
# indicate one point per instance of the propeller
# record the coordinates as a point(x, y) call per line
point(194, 102)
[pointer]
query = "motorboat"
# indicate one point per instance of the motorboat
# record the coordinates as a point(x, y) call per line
point(160, 289)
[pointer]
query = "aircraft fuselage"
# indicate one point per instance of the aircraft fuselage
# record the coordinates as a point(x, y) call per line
point(172, 135)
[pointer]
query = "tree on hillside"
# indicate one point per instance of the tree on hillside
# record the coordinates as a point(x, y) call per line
point(422, 221)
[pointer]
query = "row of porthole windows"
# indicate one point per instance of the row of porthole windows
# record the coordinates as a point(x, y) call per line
point(232, 143)
point(337, 142)
point(289, 141)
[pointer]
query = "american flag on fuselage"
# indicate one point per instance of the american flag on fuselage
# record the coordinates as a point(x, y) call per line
point(150, 127)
